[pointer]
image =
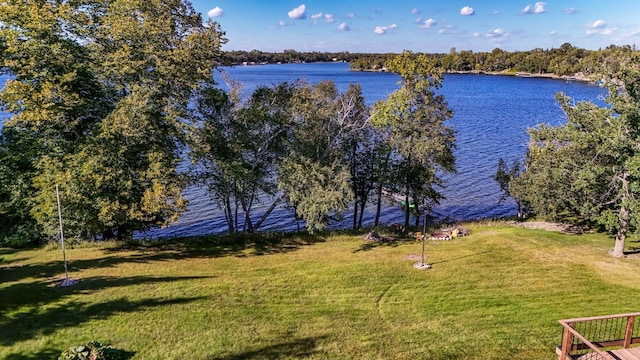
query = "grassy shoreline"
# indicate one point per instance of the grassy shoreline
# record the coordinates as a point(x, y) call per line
point(496, 294)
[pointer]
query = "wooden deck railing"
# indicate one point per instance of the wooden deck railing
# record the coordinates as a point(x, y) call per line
point(599, 337)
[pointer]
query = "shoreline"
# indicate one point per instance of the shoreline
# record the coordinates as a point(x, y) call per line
point(575, 77)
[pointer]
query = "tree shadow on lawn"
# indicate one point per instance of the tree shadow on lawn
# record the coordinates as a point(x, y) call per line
point(39, 355)
point(221, 246)
point(38, 322)
point(54, 354)
point(299, 348)
point(43, 292)
point(175, 249)
point(9, 263)
point(371, 245)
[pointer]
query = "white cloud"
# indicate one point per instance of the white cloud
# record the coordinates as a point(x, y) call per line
point(381, 30)
point(215, 12)
point(571, 11)
point(282, 23)
point(427, 24)
point(599, 27)
point(351, 15)
point(476, 35)
point(344, 27)
point(497, 12)
point(416, 11)
point(328, 18)
point(497, 33)
point(553, 33)
point(467, 11)
point(298, 13)
point(316, 16)
point(537, 8)
point(447, 29)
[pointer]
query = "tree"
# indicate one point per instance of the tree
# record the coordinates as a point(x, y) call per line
point(238, 146)
point(589, 168)
point(505, 176)
point(314, 176)
point(414, 117)
point(103, 89)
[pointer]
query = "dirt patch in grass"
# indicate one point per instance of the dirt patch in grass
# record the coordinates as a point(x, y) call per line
point(549, 226)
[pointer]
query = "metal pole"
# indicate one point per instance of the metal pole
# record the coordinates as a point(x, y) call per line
point(424, 235)
point(64, 254)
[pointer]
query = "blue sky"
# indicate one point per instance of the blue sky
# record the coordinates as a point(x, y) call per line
point(422, 26)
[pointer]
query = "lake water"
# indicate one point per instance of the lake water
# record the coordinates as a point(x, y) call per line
point(492, 114)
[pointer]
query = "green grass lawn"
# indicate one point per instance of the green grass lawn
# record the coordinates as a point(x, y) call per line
point(496, 294)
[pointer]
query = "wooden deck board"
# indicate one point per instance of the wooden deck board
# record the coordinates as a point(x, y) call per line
point(626, 354)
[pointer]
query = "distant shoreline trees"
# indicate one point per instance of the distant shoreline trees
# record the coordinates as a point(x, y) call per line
point(566, 60)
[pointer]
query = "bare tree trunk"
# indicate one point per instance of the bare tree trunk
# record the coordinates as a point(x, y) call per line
point(378, 206)
point(228, 214)
point(268, 212)
point(362, 206)
point(407, 210)
point(355, 215)
point(621, 236)
point(248, 224)
point(623, 219)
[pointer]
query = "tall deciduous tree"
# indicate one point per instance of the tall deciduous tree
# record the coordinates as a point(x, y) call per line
point(238, 147)
point(505, 176)
point(589, 168)
point(315, 177)
point(103, 88)
point(415, 118)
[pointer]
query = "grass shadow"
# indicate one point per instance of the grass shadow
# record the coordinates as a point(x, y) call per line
point(371, 245)
point(296, 349)
point(43, 292)
point(54, 354)
point(42, 354)
point(175, 249)
point(39, 321)
point(220, 246)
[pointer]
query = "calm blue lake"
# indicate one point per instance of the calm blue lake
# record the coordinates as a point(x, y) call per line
point(492, 114)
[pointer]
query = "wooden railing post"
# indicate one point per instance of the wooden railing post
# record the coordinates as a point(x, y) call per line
point(567, 340)
point(628, 333)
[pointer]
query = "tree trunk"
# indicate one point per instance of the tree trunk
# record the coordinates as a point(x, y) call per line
point(407, 209)
point(355, 215)
point(228, 214)
point(362, 206)
point(269, 210)
point(621, 236)
point(378, 206)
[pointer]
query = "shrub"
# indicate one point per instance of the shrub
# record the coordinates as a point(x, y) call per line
point(92, 351)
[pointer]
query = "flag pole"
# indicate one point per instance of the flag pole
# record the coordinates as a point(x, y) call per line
point(64, 254)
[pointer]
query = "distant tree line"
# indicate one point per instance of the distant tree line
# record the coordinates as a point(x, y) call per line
point(239, 57)
point(567, 60)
